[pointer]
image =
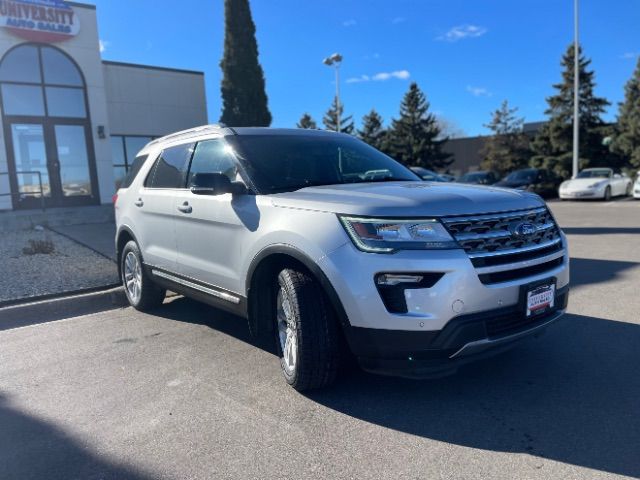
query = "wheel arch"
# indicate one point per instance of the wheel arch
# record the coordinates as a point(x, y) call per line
point(123, 236)
point(265, 267)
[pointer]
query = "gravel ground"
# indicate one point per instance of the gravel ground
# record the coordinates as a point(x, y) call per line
point(70, 267)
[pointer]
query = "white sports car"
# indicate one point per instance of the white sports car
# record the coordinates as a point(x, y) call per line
point(636, 188)
point(595, 183)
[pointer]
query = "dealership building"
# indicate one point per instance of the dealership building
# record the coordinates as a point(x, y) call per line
point(71, 123)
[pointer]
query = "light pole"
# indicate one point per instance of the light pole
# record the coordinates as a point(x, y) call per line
point(336, 60)
point(576, 94)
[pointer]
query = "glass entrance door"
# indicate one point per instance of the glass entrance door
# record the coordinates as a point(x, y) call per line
point(45, 113)
point(72, 163)
point(31, 165)
point(50, 165)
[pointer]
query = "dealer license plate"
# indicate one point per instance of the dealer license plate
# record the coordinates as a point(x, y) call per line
point(540, 299)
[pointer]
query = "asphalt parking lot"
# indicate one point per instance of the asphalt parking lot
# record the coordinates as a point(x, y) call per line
point(186, 393)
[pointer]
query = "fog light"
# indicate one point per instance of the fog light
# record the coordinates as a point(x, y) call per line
point(390, 279)
point(392, 286)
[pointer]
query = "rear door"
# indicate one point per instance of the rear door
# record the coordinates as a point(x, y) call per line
point(155, 204)
point(210, 229)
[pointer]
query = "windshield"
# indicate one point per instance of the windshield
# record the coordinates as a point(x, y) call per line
point(284, 163)
point(594, 174)
point(522, 176)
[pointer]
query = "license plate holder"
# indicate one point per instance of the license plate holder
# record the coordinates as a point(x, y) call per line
point(538, 298)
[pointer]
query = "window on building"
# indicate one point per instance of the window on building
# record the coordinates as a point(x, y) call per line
point(123, 151)
point(41, 81)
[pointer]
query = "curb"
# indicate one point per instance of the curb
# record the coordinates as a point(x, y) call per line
point(59, 308)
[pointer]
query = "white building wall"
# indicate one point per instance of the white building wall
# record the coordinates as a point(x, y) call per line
point(84, 49)
point(153, 101)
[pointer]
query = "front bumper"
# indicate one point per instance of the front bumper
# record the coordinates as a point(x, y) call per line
point(439, 353)
point(460, 291)
point(469, 312)
point(577, 195)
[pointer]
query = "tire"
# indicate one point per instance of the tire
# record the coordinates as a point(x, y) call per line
point(142, 293)
point(629, 190)
point(307, 332)
point(607, 194)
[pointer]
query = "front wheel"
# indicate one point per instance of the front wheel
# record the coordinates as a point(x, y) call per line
point(141, 292)
point(307, 332)
point(607, 194)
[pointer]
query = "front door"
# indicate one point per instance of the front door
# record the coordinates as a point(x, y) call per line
point(49, 164)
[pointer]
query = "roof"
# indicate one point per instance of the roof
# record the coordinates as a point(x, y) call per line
point(282, 131)
point(221, 128)
point(151, 67)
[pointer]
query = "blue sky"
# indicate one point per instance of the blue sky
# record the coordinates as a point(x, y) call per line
point(467, 55)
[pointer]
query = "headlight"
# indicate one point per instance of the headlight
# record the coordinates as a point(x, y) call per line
point(388, 235)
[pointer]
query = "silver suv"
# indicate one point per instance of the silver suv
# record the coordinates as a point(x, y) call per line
point(338, 251)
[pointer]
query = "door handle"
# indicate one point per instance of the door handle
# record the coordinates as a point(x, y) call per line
point(185, 208)
point(138, 203)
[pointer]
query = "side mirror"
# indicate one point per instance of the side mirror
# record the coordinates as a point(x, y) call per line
point(617, 175)
point(215, 184)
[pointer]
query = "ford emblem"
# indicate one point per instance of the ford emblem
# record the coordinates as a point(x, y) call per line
point(523, 230)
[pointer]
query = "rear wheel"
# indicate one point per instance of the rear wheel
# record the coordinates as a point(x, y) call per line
point(307, 332)
point(141, 292)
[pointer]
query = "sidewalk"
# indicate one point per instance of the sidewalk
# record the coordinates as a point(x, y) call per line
point(99, 237)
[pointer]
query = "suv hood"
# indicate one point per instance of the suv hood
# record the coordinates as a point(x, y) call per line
point(406, 199)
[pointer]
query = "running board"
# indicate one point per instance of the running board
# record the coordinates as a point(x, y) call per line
point(208, 290)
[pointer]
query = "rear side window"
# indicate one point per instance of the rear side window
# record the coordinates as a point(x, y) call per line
point(135, 167)
point(171, 167)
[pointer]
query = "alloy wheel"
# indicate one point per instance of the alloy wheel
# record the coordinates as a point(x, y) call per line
point(133, 277)
point(287, 332)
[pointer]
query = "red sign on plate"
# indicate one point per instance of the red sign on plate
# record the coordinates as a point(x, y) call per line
point(540, 298)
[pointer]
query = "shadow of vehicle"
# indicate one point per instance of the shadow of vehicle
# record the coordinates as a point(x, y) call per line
point(571, 396)
point(601, 230)
point(586, 271)
point(33, 448)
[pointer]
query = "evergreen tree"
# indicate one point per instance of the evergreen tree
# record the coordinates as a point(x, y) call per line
point(330, 118)
point(244, 100)
point(626, 140)
point(372, 131)
point(307, 122)
point(507, 149)
point(553, 145)
point(414, 138)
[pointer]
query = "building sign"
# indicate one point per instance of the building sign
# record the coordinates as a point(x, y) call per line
point(39, 20)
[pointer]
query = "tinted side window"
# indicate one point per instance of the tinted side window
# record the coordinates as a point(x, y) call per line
point(133, 171)
point(212, 156)
point(170, 168)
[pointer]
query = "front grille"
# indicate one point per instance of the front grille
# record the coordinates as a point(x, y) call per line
point(515, 274)
point(492, 240)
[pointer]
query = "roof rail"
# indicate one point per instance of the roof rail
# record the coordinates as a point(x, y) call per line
point(189, 133)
